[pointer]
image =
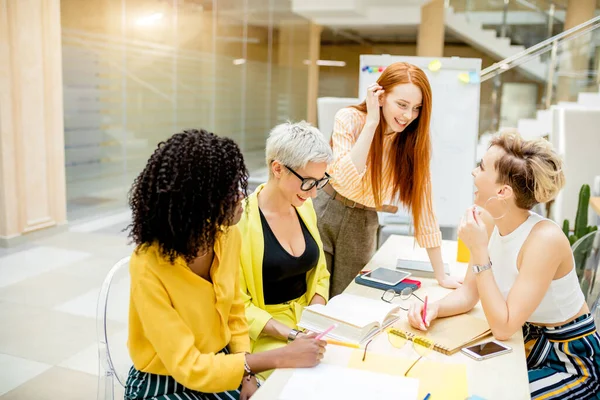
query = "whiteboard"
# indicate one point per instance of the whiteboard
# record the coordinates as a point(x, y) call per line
point(454, 126)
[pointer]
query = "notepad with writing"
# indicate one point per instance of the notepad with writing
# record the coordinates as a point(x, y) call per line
point(358, 318)
point(450, 334)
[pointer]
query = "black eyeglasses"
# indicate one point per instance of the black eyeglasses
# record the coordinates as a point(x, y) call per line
point(309, 183)
point(389, 295)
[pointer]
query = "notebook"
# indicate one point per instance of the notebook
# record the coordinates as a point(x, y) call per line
point(326, 381)
point(358, 318)
point(450, 334)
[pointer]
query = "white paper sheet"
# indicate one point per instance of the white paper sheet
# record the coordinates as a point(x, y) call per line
point(326, 382)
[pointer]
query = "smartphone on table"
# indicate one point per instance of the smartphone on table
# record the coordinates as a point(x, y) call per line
point(386, 276)
point(486, 350)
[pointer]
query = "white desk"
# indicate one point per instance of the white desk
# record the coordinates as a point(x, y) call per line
point(503, 377)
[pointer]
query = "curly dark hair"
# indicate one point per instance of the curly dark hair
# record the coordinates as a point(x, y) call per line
point(187, 194)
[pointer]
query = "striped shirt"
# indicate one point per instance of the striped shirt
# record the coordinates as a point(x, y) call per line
point(348, 181)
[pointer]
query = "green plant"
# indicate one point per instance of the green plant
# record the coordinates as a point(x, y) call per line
point(581, 227)
point(566, 227)
point(581, 219)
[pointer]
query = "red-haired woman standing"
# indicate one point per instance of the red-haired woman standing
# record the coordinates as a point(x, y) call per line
point(381, 151)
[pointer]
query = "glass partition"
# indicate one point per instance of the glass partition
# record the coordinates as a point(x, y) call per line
point(137, 71)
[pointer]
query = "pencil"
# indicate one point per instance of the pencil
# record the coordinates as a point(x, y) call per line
point(338, 343)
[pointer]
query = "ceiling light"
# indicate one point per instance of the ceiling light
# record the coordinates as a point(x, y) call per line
point(327, 63)
point(149, 19)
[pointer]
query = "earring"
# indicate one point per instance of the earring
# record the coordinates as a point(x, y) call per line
point(505, 206)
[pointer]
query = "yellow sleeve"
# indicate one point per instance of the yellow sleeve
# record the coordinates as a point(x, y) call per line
point(174, 342)
point(322, 276)
point(240, 341)
point(256, 316)
point(321, 273)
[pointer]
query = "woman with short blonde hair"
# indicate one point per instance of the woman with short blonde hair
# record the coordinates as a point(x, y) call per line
point(522, 270)
point(283, 266)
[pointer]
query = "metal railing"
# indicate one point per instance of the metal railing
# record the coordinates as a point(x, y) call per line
point(540, 48)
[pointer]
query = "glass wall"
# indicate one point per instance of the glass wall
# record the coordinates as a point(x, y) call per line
point(137, 71)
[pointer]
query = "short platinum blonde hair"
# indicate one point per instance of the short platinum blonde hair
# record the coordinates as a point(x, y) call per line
point(297, 144)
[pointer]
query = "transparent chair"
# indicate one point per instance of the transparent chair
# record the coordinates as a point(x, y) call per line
point(595, 311)
point(111, 325)
point(587, 258)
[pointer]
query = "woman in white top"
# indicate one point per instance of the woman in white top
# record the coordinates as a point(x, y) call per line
point(522, 270)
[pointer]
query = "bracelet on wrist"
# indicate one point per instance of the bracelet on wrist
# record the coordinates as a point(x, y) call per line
point(247, 371)
point(292, 335)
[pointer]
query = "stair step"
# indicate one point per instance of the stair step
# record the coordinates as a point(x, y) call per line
point(544, 118)
point(531, 128)
point(569, 104)
point(486, 41)
point(589, 99)
point(504, 41)
point(488, 33)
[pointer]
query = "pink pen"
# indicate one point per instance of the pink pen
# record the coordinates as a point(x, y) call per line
point(326, 331)
point(424, 314)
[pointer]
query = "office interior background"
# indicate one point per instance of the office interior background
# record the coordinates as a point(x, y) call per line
point(88, 88)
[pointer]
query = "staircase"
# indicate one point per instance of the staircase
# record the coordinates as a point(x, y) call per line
point(383, 13)
point(541, 125)
point(486, 41)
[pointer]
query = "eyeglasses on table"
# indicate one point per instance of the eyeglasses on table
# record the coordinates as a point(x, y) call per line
point(389, 295)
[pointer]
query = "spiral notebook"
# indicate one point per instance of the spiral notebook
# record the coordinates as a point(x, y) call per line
point(449, 334)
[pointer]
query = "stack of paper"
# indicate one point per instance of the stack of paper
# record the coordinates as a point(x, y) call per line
point(326, 382)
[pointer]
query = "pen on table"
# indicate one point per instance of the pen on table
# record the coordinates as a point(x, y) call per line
point(338, 343)
point(424, 314)
point(326, 331)
point(427, 396)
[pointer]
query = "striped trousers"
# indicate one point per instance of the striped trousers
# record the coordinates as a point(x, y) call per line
point(563, 362)
point(146, 386)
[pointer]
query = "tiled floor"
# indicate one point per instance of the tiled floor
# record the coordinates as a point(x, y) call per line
point(48, 298)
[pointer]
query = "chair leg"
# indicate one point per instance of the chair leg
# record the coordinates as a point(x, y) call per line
point(106, 386)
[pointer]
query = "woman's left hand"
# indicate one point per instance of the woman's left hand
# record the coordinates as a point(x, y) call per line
point(249, 386)
point(450, 282)
point(472, 230)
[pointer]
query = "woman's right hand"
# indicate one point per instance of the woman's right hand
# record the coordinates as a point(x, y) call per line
point(374, 92)
point(415, 313)
point(304, 352)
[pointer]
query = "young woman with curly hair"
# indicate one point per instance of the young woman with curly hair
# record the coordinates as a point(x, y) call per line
point(188, 335)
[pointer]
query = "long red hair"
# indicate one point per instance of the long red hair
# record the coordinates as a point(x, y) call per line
point(411, 149)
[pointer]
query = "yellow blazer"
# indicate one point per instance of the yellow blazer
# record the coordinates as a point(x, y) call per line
point(251, 262)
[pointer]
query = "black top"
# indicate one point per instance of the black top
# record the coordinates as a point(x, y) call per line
point(284, 276)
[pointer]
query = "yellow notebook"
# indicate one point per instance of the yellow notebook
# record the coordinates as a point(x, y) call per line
point(449, 334)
